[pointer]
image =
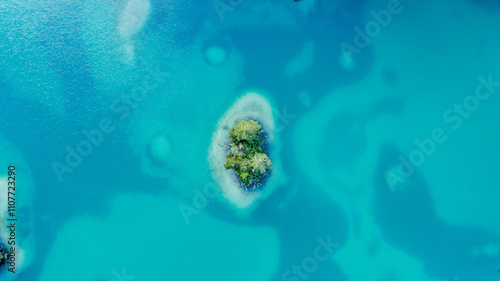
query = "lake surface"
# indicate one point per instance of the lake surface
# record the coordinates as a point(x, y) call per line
point(386, 120)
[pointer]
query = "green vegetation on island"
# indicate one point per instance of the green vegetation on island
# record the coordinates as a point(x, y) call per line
point(246, 154)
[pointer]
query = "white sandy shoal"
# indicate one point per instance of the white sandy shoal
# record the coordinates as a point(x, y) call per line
point(256, 107)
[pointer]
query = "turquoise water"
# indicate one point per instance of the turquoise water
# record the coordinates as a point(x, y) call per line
point(386, 139)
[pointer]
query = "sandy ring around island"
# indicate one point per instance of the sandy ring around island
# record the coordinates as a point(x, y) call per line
point(256, 107)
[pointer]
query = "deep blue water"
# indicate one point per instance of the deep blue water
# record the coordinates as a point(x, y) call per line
point(392, 158)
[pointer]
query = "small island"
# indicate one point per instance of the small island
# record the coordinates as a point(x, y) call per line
point(243, 144)
point(4, 256)
point(246, 155)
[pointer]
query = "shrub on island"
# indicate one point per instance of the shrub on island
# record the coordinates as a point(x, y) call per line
point(4, 256)
point(246, 155)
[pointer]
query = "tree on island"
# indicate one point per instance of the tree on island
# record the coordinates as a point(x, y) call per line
point(4, 256)
point(246, 154)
